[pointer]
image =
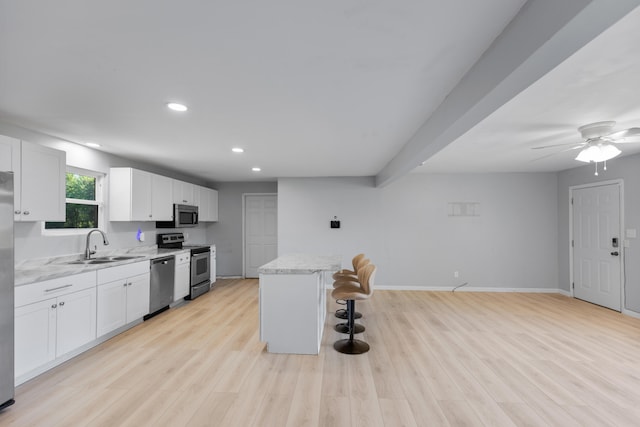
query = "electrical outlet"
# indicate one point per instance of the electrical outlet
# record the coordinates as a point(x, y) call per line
point(456, 274)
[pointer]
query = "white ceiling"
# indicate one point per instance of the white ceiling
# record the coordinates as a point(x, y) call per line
point(332, 88)
point(597, 83)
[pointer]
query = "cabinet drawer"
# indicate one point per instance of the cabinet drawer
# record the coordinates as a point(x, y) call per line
point(183, 258)
point(111, 274)
point(28, 294)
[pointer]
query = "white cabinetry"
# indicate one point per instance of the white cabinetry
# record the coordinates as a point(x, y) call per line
point(183, 192)
point(123, 295)
point(182, 275)
point(53, 318)
point(136, 195)
point(207, 201)
point(39, 179)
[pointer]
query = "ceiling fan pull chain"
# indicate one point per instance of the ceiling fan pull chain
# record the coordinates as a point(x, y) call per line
point(596, 174)
point(605, 165)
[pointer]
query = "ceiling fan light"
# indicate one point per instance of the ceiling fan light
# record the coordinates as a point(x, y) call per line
point(598, 153)
point(588, 154)
point(607, 152)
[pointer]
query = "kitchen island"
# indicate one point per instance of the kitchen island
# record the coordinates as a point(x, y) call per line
point(293, 302)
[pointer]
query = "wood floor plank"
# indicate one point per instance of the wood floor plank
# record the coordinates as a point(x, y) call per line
point(436, 358)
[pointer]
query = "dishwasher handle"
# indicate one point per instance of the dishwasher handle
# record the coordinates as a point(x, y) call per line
point(165, 260)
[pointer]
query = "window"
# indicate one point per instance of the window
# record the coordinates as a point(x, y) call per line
point(84, 201)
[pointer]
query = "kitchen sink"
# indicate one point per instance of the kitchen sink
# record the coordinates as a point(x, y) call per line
point(105, 259)
point(121, 258)
point(91, 261)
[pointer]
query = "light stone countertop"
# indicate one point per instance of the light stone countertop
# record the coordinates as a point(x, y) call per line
point(37, 270)
point(302, 264)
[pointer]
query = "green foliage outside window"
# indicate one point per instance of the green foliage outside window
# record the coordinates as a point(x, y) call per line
point(79, 215)
point(81, 187)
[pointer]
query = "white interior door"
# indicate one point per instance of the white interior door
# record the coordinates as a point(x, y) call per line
point(260, 231)
point(597, 245)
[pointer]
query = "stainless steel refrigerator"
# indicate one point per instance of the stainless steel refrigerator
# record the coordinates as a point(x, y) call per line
point(7, 385)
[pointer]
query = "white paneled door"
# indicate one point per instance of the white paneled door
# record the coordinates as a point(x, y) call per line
point(260, 231)
point(597, 247)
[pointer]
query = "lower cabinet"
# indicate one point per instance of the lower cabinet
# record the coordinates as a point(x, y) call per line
point(55, 318)
point(124, 299)
point(182, 275)
point(53, 327)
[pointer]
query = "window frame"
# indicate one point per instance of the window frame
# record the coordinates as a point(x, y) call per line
point(100, 177)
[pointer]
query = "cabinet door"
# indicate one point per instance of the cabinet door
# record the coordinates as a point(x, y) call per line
point(213, 204)
point(43, 194)
point(141, 208)
point(10, 161)
point(111, 306)
point(162, 198)
point(181, 285)
point(200, 199)
point(207, 202)
point(35, 335)
point(183, 192)
point(76, 320)
point(137, 297)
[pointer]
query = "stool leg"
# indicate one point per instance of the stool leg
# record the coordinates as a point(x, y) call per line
point(351, 309)
point(351, 346)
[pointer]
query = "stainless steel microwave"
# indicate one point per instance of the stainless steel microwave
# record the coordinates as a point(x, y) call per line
point(183, 216)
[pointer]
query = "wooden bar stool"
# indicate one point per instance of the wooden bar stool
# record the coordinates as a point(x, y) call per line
point(352, 291)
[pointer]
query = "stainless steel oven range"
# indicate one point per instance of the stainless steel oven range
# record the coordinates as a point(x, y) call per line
point(200, 282)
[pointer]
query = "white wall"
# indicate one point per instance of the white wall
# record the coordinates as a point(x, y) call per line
point(29, 241)
point(627, 169)
point(405, 228)
point(227, 232)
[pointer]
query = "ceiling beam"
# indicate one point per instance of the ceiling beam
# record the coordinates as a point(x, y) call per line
point(541, 36)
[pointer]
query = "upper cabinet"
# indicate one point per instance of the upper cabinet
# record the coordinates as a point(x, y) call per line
point(207, 201)
point(183, 192)
point(39, 179)
point(136, 195)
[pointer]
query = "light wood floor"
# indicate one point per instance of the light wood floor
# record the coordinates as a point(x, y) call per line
point(437, 358)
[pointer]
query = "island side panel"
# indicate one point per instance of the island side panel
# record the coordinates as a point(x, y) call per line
point(290, 312)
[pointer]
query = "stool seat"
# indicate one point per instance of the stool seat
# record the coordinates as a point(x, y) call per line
point(347, 276)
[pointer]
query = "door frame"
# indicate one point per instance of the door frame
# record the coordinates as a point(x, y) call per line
point(244, 212)
point(620, 184)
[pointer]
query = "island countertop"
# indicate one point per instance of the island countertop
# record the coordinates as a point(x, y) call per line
point(302, 264)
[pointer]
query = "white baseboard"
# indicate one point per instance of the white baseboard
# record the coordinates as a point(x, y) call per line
point(467, 289)
point(631, 313)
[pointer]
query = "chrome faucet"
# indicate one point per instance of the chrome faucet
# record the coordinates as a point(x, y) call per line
point(88, 252)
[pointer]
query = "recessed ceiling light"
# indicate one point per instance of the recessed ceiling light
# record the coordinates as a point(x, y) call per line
point(92, 144)
point(176, 107)
point(237, 150)
point(256, 169)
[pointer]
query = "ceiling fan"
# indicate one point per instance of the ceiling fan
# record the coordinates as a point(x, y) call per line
point(600, 142)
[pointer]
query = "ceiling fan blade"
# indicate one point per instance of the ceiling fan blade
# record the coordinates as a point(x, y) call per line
point(552, 145)
point(575, 147)
point(626, 133)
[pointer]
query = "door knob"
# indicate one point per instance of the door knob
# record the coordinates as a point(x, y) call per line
point(614, 253)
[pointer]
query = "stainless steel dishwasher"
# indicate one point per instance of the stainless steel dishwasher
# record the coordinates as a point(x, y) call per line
point(162, 278)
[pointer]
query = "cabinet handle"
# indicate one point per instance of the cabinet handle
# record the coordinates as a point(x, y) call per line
point(150, 215)
point(25, 213)
point(185, 201)
point(61, 303)
point(129, 284)
point(54, 305)
point(58, 288)
point(125, 284)
point(17, 212)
